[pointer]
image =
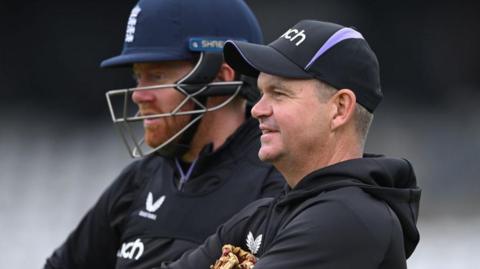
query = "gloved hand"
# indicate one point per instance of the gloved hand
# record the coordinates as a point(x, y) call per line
point(234, 258)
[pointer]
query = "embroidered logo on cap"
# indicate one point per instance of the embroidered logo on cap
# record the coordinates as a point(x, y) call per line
point(293, 34)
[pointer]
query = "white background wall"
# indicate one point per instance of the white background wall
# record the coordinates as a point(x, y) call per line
point(53, 169)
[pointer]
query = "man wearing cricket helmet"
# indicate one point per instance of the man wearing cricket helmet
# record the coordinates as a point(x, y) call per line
point(198, 153)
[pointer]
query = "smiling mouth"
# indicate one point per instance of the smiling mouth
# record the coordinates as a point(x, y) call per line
point(268, 131)
point(265, 129)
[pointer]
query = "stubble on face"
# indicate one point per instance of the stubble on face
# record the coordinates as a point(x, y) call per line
point(275, 94)
point(296, 112)
point(268, 151)
point(156, 134)
point(165, 100)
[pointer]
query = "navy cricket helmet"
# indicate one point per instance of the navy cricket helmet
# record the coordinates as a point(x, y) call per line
point(166, 30)
point(174, 30)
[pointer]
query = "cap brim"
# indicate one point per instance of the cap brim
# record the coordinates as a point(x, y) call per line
point(128, 58)
point(250, 59)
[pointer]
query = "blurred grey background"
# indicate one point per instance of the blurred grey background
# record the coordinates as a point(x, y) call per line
point(59, 149)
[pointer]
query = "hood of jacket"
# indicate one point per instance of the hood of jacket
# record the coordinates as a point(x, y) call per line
point(388, 179)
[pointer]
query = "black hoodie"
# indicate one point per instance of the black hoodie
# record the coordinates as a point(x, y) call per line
point(360, 213)
point(143, 219)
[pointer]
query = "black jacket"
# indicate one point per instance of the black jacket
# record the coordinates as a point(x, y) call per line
point(142, 219)
point(359, 213)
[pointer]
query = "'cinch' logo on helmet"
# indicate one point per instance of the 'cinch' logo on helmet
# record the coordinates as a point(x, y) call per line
point(298, 34)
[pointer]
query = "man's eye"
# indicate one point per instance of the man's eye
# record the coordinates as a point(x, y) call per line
point(156, 77)
point(278, 93)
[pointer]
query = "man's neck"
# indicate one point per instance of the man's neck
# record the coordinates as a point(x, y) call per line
point(215, 127)
point(295, 170)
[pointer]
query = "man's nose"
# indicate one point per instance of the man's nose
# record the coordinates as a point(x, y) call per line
point(261, 109)
point(141, 96)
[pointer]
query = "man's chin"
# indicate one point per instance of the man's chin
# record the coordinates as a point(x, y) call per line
point(153, 142)
point(266, 155)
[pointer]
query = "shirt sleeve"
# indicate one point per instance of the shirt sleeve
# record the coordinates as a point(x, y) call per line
point(201, 257)
point(329, 235)
point(228, 233)
point(94, 242)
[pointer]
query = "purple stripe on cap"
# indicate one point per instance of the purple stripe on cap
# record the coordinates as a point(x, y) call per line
point(340, 35)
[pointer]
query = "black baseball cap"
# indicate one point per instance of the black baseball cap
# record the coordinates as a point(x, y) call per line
point(329, 52)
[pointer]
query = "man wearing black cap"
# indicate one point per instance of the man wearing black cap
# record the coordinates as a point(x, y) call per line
point(199, 163)
point(343, 209)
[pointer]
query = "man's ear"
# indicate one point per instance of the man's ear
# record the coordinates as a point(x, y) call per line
point(344, 102)
point(225, 73)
